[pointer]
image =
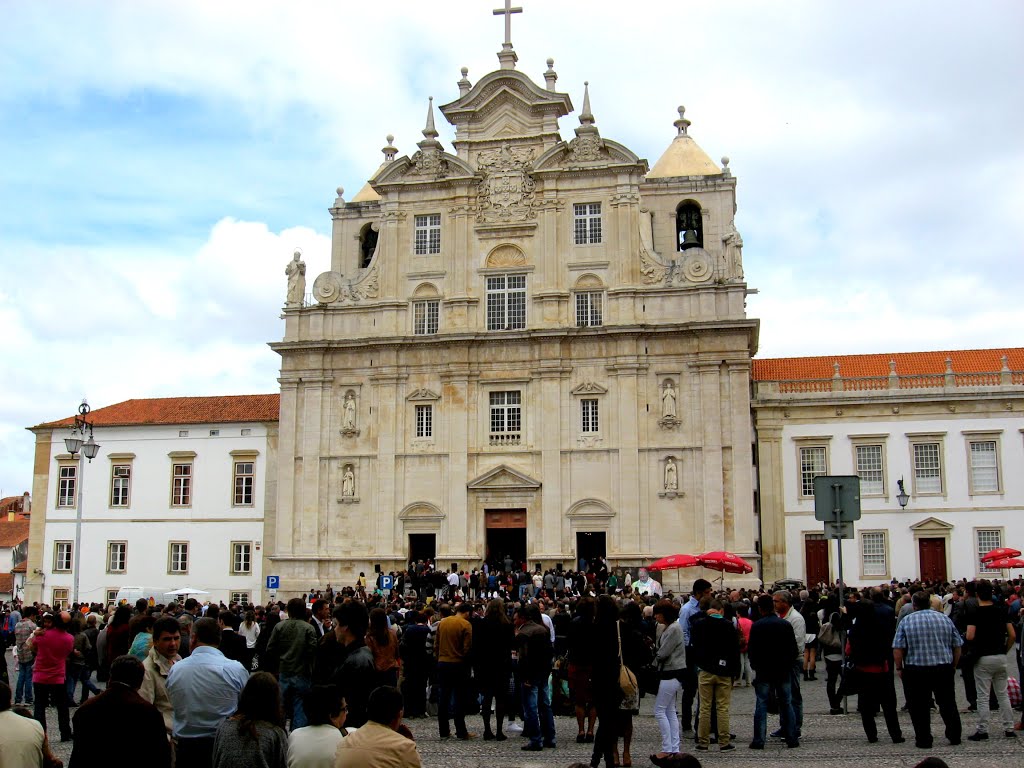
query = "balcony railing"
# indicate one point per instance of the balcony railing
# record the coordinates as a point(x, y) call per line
point(505, 438)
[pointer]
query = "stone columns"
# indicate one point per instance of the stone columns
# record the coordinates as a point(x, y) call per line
point(712, 535)
point(740, 435)
point(288, 500)
point(380, 509)
point(546, 539)
point(771, 494)
point(458, 531)
point(632, 527)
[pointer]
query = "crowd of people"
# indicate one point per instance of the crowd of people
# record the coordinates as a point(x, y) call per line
point(329, 679)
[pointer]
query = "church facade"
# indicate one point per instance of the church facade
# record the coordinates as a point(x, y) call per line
point(525, 346)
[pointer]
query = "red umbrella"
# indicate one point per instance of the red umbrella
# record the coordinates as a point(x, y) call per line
point(1005, 563)
point(726, 562)
point(999, 553)
point(673, 561)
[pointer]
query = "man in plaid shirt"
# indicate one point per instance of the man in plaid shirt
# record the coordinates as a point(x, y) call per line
point(926, 650)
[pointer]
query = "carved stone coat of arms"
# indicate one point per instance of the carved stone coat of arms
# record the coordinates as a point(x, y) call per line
point(506, 193)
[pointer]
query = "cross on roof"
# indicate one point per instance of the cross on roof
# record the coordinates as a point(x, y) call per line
point(507, 12)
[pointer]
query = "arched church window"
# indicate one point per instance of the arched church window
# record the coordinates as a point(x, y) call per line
point(689, 226)
point(367, 244)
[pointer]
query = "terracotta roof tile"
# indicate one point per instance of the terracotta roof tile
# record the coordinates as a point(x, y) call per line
point(12, 533)
point(907, 364)
point(182, 410)
point(7, 583)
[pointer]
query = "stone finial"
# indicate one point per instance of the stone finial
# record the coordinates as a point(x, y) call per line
point(835, 369)
point(430, 132)
point(586, 116)
point(340, 199)
point(892, 367)
point(682, 123)
point(464, 85)
point(949, 365)
point(390, 151)
point(550, 76)
point(725, 166)
point(1006, 364)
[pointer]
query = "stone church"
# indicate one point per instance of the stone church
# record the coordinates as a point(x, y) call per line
point(526, 346)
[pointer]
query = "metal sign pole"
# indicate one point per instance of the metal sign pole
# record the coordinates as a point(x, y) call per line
point(837, 513)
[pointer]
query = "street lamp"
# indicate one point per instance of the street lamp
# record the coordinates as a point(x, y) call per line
point(87, 448)
point(902, 498)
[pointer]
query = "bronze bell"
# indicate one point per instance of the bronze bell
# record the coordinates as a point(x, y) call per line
point(690, 240)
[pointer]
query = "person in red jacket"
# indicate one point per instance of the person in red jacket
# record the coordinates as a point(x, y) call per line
point(52, 645)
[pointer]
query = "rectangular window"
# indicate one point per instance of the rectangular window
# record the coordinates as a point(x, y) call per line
point(812, 464)
point(120, 484)
point(59, 599)
point(589, 309)
point(988, 539)
point(240, 597)
point(246, 431)
point(424, 317)
point(241, 557)
point(424, 421)
point(181, 485)
point(506, 302)
point(182, 433)
point(869, 469)
point(63, 553)
point(588, 413)
point(586, 223)
point(117, 556)
point(112, 596)
point(68, 485)
point(244, 475)
point(506, 417)
point(178, 557)
point(214, 433)
point(984, 467)
point(872, 553)
point(927, 468)
point(428, 234)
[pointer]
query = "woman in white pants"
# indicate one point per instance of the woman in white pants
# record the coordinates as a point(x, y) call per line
point(671, 657)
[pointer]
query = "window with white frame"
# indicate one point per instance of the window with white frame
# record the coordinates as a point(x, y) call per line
point(506, 302)
point(424, 317)
point(586, 223)
point(424, 420)
point(240, 597)
point(984, 466)
point(428, 234)
point(117, 556)
point(181, 485)
point(872, 553)
point(927, 468)
point(589, 309)
point(588, 415)
point(178, 557)
point(63, 556)
point(68, 485)
point(120, 485)
point(112, 596)
point(869, 470)
point(245, 474)
point(59, 598)
point(506, 417)
point(988, 539)
point(813, 462)
point(241, 557)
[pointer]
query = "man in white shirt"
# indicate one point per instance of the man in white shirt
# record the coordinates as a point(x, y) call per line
point(645, 585)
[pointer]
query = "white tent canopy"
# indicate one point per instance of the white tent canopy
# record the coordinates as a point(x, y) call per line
point(187, 591)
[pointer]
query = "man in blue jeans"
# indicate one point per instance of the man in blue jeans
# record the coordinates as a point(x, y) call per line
point(26, 656)
point(533, 642)
point(770, 650)
point(291, 651)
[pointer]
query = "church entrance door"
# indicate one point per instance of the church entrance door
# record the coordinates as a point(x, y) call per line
point(590, 545)
point(422, 546)
point(506, 536)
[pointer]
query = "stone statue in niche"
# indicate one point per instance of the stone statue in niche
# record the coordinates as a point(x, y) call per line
point(348, 482)
point(296, 274)
point(733, 244)
point(668, 401)
point(348, 417)
point(671, 479)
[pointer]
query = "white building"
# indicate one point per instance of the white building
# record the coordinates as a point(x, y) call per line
point(949, 424)
point(174, 498)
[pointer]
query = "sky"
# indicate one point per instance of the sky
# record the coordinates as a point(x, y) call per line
point(160, 162)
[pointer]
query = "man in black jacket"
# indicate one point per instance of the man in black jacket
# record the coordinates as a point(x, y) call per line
point(870, 637)
point(771, 649)
point(533, 642)
point(716, 643)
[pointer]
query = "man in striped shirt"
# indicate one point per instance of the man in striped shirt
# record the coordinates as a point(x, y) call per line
point(926, 650)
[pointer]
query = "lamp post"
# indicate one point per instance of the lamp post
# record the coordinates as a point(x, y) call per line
point(902, 498)
point(80, 448)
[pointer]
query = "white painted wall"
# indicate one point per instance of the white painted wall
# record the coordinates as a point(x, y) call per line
point(210, 524)
point(966, 513)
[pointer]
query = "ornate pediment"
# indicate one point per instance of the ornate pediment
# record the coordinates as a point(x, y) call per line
point(932, 525)
point(424, 166)
point(423, 394)
point(503, 477)
point(590, 509)
point(507, 87)
point(505, 256)
point(587, 150)
point(421, 510)
point(589, 388)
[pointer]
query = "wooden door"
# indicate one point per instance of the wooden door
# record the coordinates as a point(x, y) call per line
point(816, 558)
point(933, 559)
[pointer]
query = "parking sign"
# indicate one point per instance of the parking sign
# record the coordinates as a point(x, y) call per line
point(386, 582)
point(273, 582)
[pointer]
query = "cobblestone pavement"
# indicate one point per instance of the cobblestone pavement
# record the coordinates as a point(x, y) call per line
point(839, 739)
